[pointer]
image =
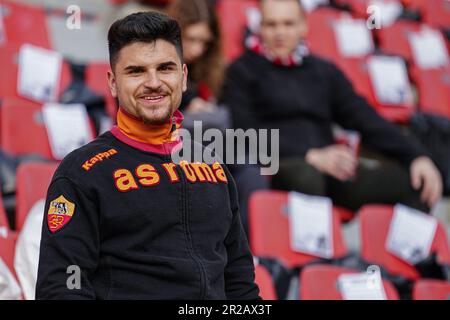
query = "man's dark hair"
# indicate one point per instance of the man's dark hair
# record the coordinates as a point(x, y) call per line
point(143, 27)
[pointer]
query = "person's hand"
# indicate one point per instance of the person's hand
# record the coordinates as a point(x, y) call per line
point(336, 160)
point(200, 105)
point(425, 175)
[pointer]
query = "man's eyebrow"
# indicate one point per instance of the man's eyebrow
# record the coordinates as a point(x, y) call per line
point(135, 68)
point(167, 64)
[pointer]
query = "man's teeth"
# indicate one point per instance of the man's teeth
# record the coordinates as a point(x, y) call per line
point(153, 98)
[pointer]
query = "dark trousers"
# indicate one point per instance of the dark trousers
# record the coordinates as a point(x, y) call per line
point(388, 183)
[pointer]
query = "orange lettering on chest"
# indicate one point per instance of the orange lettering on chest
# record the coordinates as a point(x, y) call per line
point(146, 175)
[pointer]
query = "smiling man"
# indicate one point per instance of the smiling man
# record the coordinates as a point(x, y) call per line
point(122, 220)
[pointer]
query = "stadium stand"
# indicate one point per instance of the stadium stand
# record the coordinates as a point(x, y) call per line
point(22, 133)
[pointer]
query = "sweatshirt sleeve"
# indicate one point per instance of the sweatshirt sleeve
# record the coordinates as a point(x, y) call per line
point(69, 247)
point(353, 112)
point(239, 271)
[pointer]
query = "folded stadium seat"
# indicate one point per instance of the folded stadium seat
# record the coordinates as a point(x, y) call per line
point(33, 179)
point(431, 290)
point(24, 23)
point(265, 283)
point(319, 282)
point(232, 15)
point(374, 227)
point(96, 80)
point(434, 12)
point(22, 129)
point(269, 230)
point(356, 69)
point(394, 39)
point(9, 56)
point(433, 87)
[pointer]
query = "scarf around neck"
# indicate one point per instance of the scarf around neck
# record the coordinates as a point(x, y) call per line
point(254, 44)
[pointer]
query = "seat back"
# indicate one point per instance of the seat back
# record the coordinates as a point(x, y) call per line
point(22, 128)
point(269, 229)
point(233, 21)
point(265, 283)
point(431, 290)
point(319, 282)
point(374, 227)
point(33, 180)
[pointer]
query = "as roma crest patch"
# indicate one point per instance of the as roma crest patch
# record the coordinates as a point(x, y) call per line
point(59, 214)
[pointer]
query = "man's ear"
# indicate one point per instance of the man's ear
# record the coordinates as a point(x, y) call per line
point(185, 74)
point(112, 83)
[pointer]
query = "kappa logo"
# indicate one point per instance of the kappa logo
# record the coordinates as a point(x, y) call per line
point(98, 158)
point(60, 212)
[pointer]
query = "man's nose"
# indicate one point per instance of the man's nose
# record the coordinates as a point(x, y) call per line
point(152, 80)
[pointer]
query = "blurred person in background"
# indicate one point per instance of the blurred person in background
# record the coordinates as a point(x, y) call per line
point(278, 84)
point(202, 52)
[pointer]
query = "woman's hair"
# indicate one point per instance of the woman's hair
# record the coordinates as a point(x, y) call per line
point(210, 66)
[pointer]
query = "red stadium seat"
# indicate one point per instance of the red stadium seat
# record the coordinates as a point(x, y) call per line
point(22, 129)
point(3, 217)
point(96, 80)
point(233, 21)
point(7, 249)
point(358, 7)
point(433, 87)
point(374, 226)
point(356, 70)
point(321, 35)
point(434, 12)
point(33, 179)
point(269, 229)
point(431, 290)
point(24, 24)
point(9, 56)
point(395, 38)
point(319, 282)
point(265, 283)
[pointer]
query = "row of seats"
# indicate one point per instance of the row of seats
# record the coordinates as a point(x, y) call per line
point(319, 282)
point(269, 238)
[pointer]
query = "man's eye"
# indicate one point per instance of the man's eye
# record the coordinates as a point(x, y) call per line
point(166, 68)
point(134, 71)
